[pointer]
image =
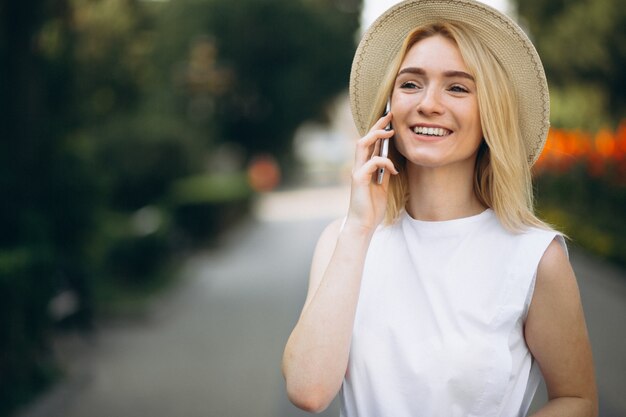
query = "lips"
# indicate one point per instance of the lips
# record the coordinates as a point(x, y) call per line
point(431, 131)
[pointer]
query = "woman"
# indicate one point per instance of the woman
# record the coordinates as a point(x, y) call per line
point(441, 293)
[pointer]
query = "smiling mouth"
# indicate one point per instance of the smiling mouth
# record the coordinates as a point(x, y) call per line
point(431, 131)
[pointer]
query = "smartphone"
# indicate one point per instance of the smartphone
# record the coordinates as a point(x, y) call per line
point(384, 146)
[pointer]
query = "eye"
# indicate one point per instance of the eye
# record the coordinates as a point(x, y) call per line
point(458, 89)
point(409, 85)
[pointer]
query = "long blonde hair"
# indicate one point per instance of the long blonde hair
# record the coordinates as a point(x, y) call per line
point(502, 175)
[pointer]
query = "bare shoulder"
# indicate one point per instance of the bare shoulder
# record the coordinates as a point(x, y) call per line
point(554, 258)
point(555, 273)
point(555, 285)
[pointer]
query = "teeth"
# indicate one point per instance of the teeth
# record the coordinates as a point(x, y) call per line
point(431, 131)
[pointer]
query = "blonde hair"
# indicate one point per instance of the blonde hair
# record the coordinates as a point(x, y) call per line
point(502, 175)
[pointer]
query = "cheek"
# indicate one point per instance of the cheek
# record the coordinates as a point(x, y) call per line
point(478, 130)
point(472, 121)
point(400, 144)
point(474, 137)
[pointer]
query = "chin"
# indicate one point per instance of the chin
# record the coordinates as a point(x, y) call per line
point(439, 161)
point(427, 161)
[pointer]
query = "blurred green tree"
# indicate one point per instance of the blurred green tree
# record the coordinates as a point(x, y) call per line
point(48, 192)
point(278, 63)
point(127, 121)
point(103, 105)
point(582, 44)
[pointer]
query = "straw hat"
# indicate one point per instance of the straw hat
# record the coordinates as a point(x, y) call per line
point(499, 33)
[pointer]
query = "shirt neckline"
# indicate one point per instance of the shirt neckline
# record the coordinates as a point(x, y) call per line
point(447, 227)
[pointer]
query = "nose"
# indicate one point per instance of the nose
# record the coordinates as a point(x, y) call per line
point(430, 103)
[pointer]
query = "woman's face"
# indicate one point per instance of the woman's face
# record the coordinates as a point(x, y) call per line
point(434, 105)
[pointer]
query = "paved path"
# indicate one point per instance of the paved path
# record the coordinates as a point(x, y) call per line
point(213, 347)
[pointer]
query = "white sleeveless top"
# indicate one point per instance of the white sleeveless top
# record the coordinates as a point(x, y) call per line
point(439, 323)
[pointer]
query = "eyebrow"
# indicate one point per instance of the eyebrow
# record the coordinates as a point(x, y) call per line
point(448, 74)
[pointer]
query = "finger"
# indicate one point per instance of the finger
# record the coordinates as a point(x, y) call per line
point(377, 131)
point(364, 173)
point(379, 162)
point(376, 150)
point(383, 121)
point(365, 145)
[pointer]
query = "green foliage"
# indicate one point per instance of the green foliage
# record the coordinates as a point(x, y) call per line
point(283, 59)
point(582, 43)
point(204, 206)
point(589, 210)
point(581, 106)
point(50, 194)
point(139, 157)
point(210, 189)
point(25, 363)
point(113, 111)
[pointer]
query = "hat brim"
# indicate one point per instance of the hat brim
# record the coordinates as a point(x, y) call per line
point(501, 35)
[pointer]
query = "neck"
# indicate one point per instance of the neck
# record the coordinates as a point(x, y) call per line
point(442, 193)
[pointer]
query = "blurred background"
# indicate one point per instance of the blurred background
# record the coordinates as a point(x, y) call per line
point(166, 167)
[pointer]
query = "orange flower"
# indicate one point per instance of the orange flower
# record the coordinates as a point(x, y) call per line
point(605, 143)
point(603, 152)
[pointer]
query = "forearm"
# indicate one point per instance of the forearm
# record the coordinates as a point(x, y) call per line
point(568, 407)
point(317, 351)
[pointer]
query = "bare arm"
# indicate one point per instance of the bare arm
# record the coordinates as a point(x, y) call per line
point(557, 337)
point(316, 354)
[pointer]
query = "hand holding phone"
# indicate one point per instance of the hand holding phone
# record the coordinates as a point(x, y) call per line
point(384, 146)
